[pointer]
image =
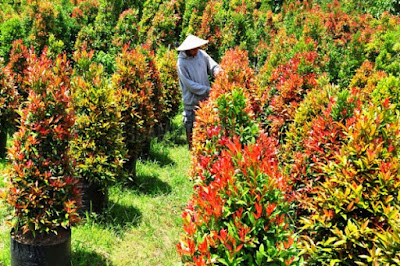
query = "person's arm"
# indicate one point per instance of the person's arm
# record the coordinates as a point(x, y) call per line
point(193, 87)
point(212, 66)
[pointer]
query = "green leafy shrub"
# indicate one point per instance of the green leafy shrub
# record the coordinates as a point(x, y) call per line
point(126, 30)
point(45, 18)
point(166, 65)
point(387, 88)
point(273, 5)
point(65, 31)
point(162, 27)
point(134, 80)
point(356, 203)
point(11, 30)
point(192, 17)
point(98, 35)
point(388, 58)
point(42, 190)
point(239, 28)
point(87, 37)
point(85, 12)
point(227, 24)
point(98, 147)
point(83, 59)
point(373, 7)
point(107, 60)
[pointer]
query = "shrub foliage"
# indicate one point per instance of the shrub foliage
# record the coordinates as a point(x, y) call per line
point(42, 190)
point(98, 147)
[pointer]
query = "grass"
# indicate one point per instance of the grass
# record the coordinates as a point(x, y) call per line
point(4, 229)
point(142, 223)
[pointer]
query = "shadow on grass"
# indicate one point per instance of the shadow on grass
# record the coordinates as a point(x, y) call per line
point(118, 216)
point(157, 152)
point(150, 185)
point(160, 155)
point(176, 135)
point(88, 258)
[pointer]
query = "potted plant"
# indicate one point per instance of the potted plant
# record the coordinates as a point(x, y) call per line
point(139, 88)
point(43, 192)
point(98, 147)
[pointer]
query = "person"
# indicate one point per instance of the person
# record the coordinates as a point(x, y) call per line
point(194, 65)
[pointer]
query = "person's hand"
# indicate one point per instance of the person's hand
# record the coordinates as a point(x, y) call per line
point(221, 72)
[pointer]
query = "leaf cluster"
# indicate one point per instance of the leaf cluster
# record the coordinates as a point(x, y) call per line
point(42, 189)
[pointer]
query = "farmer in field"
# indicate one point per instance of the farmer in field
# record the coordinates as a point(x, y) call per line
point(194, 66)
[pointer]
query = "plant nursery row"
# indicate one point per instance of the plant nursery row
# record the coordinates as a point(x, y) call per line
point(295, 157)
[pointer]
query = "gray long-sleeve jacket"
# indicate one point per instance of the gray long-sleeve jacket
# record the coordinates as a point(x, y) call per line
point(193, 77)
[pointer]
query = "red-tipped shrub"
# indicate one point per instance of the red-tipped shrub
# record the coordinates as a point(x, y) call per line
point(236, 73)
point(12, 91)
point(289, 84)
point(43, 16)
point(8, 104)
point(238, 213)
point(211, 27)
point(217, 122)
point(126, 30)
point(356, 210)
point(366, 78)
point(228, 111)
point(136, 81)
point(42, 189)
point(241, 216)
point(159, 25)
point(158, 94)
point(18, 67)
point(85, 11)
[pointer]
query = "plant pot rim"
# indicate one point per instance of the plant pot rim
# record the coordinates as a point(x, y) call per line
point(41, 238)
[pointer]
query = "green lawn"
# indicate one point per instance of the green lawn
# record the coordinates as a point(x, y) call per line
point(142, 223)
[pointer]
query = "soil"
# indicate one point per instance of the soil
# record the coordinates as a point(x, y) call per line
point(41, 239)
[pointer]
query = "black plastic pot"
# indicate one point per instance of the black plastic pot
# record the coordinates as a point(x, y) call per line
point(94, 198)
point(130, 167)
point(41, 255)
point(3, 142)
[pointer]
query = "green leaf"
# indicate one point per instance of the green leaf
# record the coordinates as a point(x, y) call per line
point(223, 261)
point(340, 242)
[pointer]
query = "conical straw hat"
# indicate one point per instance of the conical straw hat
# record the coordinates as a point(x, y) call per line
point(191, 42)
